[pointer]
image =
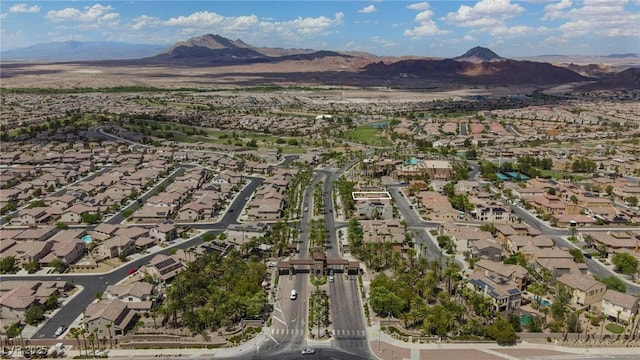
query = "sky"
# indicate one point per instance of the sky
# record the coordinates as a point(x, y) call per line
point(444, 28)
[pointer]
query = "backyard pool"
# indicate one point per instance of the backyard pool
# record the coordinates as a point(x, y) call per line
point(87, 239)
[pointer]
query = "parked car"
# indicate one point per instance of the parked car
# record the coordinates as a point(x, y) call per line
point(308, 351)
point(60, 330)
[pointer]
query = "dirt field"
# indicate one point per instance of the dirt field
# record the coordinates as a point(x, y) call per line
point(95, 75)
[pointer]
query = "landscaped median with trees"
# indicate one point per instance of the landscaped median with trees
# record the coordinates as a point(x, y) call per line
point(216, 292)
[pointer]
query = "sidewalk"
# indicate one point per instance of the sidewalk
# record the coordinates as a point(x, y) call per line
point(385, 347)
point(248, 347)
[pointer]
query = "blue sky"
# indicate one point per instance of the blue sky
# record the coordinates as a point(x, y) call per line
point(430, 28)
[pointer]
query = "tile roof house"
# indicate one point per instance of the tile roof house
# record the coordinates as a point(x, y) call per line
point(29, 251)
point(585, 290)
point(37, 234)
point(619, 306)
point(67, 251)
point(134, 292)
point(516, 273)
point(152, 213)
point(33, 216)
point(486, 249)
point(115, 247)
point(163, 267)
point(614, 241)
point(132, 232)
point(504, 293)
point(164, 231)
point(109, 311)
point(73, 215)
point(15, 301)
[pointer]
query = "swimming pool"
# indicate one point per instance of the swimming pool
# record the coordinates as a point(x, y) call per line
point(87, 239)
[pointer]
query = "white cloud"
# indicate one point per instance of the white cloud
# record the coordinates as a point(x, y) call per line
point(197, 19)
point(3, 16)
point(484, 13)
point(145, 21)
point(607, 18)
point(384, 43)
point(91, 14)
point(427, 26)
point(505, 32)
point(368, 9)
point(23, 8)
point(555, 10)
point(421, 6)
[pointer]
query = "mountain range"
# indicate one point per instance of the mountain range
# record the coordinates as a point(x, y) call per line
point(79, 50)
point(479, 66)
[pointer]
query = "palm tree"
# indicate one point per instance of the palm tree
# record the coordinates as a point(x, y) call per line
point(93, 346)
point(451, 273)
point(108, 326)
point(83, 332)
point(75, 332)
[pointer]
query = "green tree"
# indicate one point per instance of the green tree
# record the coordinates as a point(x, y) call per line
point(61, 226)
point(502, 331)
point(573, 323)
point(32, 267)
point(535, 325)
point(514, 319)
point(625, 263)
point(632, 200)
point(91, 218)
point(8, 265)
point(52, 302)
point(615, 283)
point(578, 257)
point(58, 265)
point(33, 315)
point(385, 302)
point(36, 203)
point(75, 333)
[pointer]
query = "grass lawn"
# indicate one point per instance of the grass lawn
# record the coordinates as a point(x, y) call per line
point(561, 174)
point(366, 135)
point(614, 328)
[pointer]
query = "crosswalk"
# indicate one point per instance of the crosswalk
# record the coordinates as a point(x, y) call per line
point(287, 331)
point(337, 333)
point(349, 333)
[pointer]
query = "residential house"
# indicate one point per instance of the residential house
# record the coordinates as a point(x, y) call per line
point(515, 243)
point(114, 247)
point(613, 242)
point(374, 209)
point(133, 232)
point(37, 234)
point(74, 214)
point(14, 303)
point(194, 211)
point(163, 267)
point(619, 306)
point(164, 231)
point(486, 249)
point(438, 207)
point(504, 294)
point(515, 273)
point(491, 212)
point(67, 251)
point(25, 252)
point(33, 216)
point(585, 290)
point(139, 296)
point(239, 233)
point(109, 311)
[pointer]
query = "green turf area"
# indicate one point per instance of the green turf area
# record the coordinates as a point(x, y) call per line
point(366, 135)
